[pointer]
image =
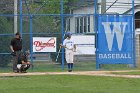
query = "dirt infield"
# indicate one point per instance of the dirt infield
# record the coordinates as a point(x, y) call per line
point(90, 73)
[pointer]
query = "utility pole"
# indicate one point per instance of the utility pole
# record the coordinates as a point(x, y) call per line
point(103, 6)
point(15, 16)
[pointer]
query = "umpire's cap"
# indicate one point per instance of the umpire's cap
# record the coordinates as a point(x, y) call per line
point(17, 33)
point(68, 34)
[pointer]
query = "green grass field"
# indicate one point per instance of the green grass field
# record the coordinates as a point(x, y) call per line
point(78, 66)
point(68, 84)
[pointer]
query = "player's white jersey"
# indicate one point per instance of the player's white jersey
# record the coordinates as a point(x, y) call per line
point(69, 43)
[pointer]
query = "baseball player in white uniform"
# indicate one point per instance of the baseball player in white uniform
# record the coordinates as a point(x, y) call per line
point(70, 48)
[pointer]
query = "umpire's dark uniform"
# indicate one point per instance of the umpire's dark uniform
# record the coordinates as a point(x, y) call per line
point(16, 47)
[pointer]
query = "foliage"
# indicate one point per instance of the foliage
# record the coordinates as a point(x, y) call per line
point(5, 28)
point(41, 24)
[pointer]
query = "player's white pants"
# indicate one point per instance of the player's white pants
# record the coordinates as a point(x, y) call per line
point(69, 56)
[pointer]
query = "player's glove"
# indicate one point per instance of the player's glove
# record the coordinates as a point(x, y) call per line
point(13, 54)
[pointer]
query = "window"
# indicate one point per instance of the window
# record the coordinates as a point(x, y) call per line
point(68, 24)
point(85, 24)
point(88, 24)
point(77, 25)
point(82, 24)
point(137, 23)
point(137, 19)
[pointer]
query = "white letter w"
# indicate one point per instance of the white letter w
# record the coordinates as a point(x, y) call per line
point(119, 29)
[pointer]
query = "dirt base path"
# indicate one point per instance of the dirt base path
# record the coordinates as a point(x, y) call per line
point(91, 73)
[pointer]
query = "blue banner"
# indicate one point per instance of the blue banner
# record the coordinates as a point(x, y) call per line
point(115, 39)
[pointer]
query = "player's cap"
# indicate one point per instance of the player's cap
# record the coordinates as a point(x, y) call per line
point(68, 34)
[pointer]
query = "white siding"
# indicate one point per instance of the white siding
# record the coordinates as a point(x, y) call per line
point(120, 6)
point(72, 25)
point(84, 10)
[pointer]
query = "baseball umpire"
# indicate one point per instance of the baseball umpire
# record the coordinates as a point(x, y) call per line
point(70, 48)
point(16, 47)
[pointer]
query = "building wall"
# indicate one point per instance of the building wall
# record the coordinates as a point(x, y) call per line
point(84, 11)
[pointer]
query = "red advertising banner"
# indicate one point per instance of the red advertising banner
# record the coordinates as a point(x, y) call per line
point(44, 44)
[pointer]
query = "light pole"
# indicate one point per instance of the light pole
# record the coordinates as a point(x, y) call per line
point(15, 16)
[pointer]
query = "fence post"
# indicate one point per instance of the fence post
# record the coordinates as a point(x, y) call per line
point(31, 39)
point(134, 36)
point(62, 31)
